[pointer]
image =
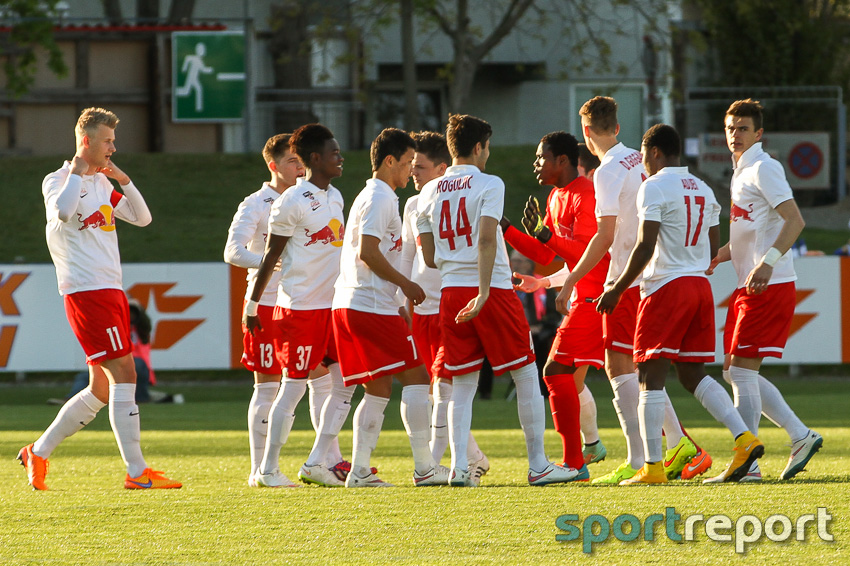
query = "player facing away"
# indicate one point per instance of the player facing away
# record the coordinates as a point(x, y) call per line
point(246, 241)
point(565, 231)
point(677, 237)
point(616, 182)
point(372, 338)
point(479, 311)
point(82, 207)
point(429, 162)
point(305, 231)
point(764, 223)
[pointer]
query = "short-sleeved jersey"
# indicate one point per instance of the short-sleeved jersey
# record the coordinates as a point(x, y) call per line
point(686, 208)
point(758, 187)
point(451, 207)
point(413, 262)
point(312, 219)
point(616, 182)
point(373, 213)
point(248, 232)
point(571, 218)
point(85, 248)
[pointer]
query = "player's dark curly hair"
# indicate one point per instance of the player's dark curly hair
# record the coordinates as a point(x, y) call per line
point(391, 141)
point(664, 138)
point(562, 143)
point(586, 159)
point(464, 131)
point(433, 146)
point(309, 139)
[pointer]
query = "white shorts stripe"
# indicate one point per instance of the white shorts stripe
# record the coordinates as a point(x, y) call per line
point(365, 373)
point(579, 361)
point(464, 366)
point(93, 356)
point(696, 354)
point(621, 345)
point(772, 349)
point(512, 362)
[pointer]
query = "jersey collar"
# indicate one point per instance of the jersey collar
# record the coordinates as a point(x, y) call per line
point(748, 156)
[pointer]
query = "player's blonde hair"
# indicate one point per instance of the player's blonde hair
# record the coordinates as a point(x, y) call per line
point(601, 114)
point(91, 118)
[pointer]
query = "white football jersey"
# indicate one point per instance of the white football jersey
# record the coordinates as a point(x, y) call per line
point(413, 262)
point(451, 207)
point(686, 208)
point(616, 182)
point(85, 248)
point(312, 219)
point(758, 187)
point(373, 213)
point(246, 239)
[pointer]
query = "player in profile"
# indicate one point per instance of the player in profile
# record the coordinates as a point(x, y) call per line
point(480, 313)
point(764, 224)
point(246, 241)
point(565, 231)
point(82, 207)
point(429, 162)
point(305, 230)
point(372, 338)
point(616, 182)
point(677, 237)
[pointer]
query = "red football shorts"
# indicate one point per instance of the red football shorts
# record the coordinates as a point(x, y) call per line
point(578, 341)
point(618, 327)
point(372, 345)
point(100, 320)
point(677, 322)
point(757, 326)
point(500, 332)
point(258, 350)
point(305, 339)
point(428, 338)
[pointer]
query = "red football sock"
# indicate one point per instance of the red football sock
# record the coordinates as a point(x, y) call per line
point(566, 412)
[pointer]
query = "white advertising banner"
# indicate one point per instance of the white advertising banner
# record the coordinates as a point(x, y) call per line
point(188, 304)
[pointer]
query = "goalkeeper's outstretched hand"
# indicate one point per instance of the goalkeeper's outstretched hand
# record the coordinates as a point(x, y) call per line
point(532, 221)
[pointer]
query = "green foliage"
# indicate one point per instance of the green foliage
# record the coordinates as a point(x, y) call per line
point(777, 42)
point(31, 29)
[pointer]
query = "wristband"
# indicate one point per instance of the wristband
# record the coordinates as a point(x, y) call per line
point(771, 257)
point(251, 308)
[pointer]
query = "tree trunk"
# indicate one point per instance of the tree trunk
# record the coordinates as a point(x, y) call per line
point(112, 10)
point(408, 57)
point(181, 11)
point(148, 11)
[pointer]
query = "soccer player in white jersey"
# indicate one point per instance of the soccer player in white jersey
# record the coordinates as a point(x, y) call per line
point(429, 162)
point(677, 237)
point(305, 233)
point(246, 241)
point(616, 182)
point(479, 311)
point(82, 206)
point(373, 340)
point(764, 223)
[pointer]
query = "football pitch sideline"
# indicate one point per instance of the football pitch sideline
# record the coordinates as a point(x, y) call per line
point(88, 518)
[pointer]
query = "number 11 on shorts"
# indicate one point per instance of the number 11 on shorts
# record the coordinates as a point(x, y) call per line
point(114, 338)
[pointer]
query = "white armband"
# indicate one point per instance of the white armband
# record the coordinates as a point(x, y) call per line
point(251, 308)
point(771, 257)
point(558, 278)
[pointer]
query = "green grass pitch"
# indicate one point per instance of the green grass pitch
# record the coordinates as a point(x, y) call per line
point(88, 518)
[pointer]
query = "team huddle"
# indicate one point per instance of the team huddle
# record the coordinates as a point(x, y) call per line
point(426, 296)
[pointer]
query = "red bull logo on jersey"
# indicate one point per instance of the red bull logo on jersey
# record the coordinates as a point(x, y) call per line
point(396, 243)
point(332, 234)
point(101, 218)
point(738, 212)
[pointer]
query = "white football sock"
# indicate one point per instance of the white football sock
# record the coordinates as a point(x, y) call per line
point(368, 419)
point(589, 428)
point(775, 408)
point(281, 417)
point(626, 392)
point(745, 387)
point(319, 390)
point(258, 420)
point(473, 452)
point(326, 446)
point(532, 414)
point(716, 401)
point(76, 413)
point(464, 388)
point(440, 419)
point(124, 418)
point(672, 427)
point(415, 414)
point(651, 419)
